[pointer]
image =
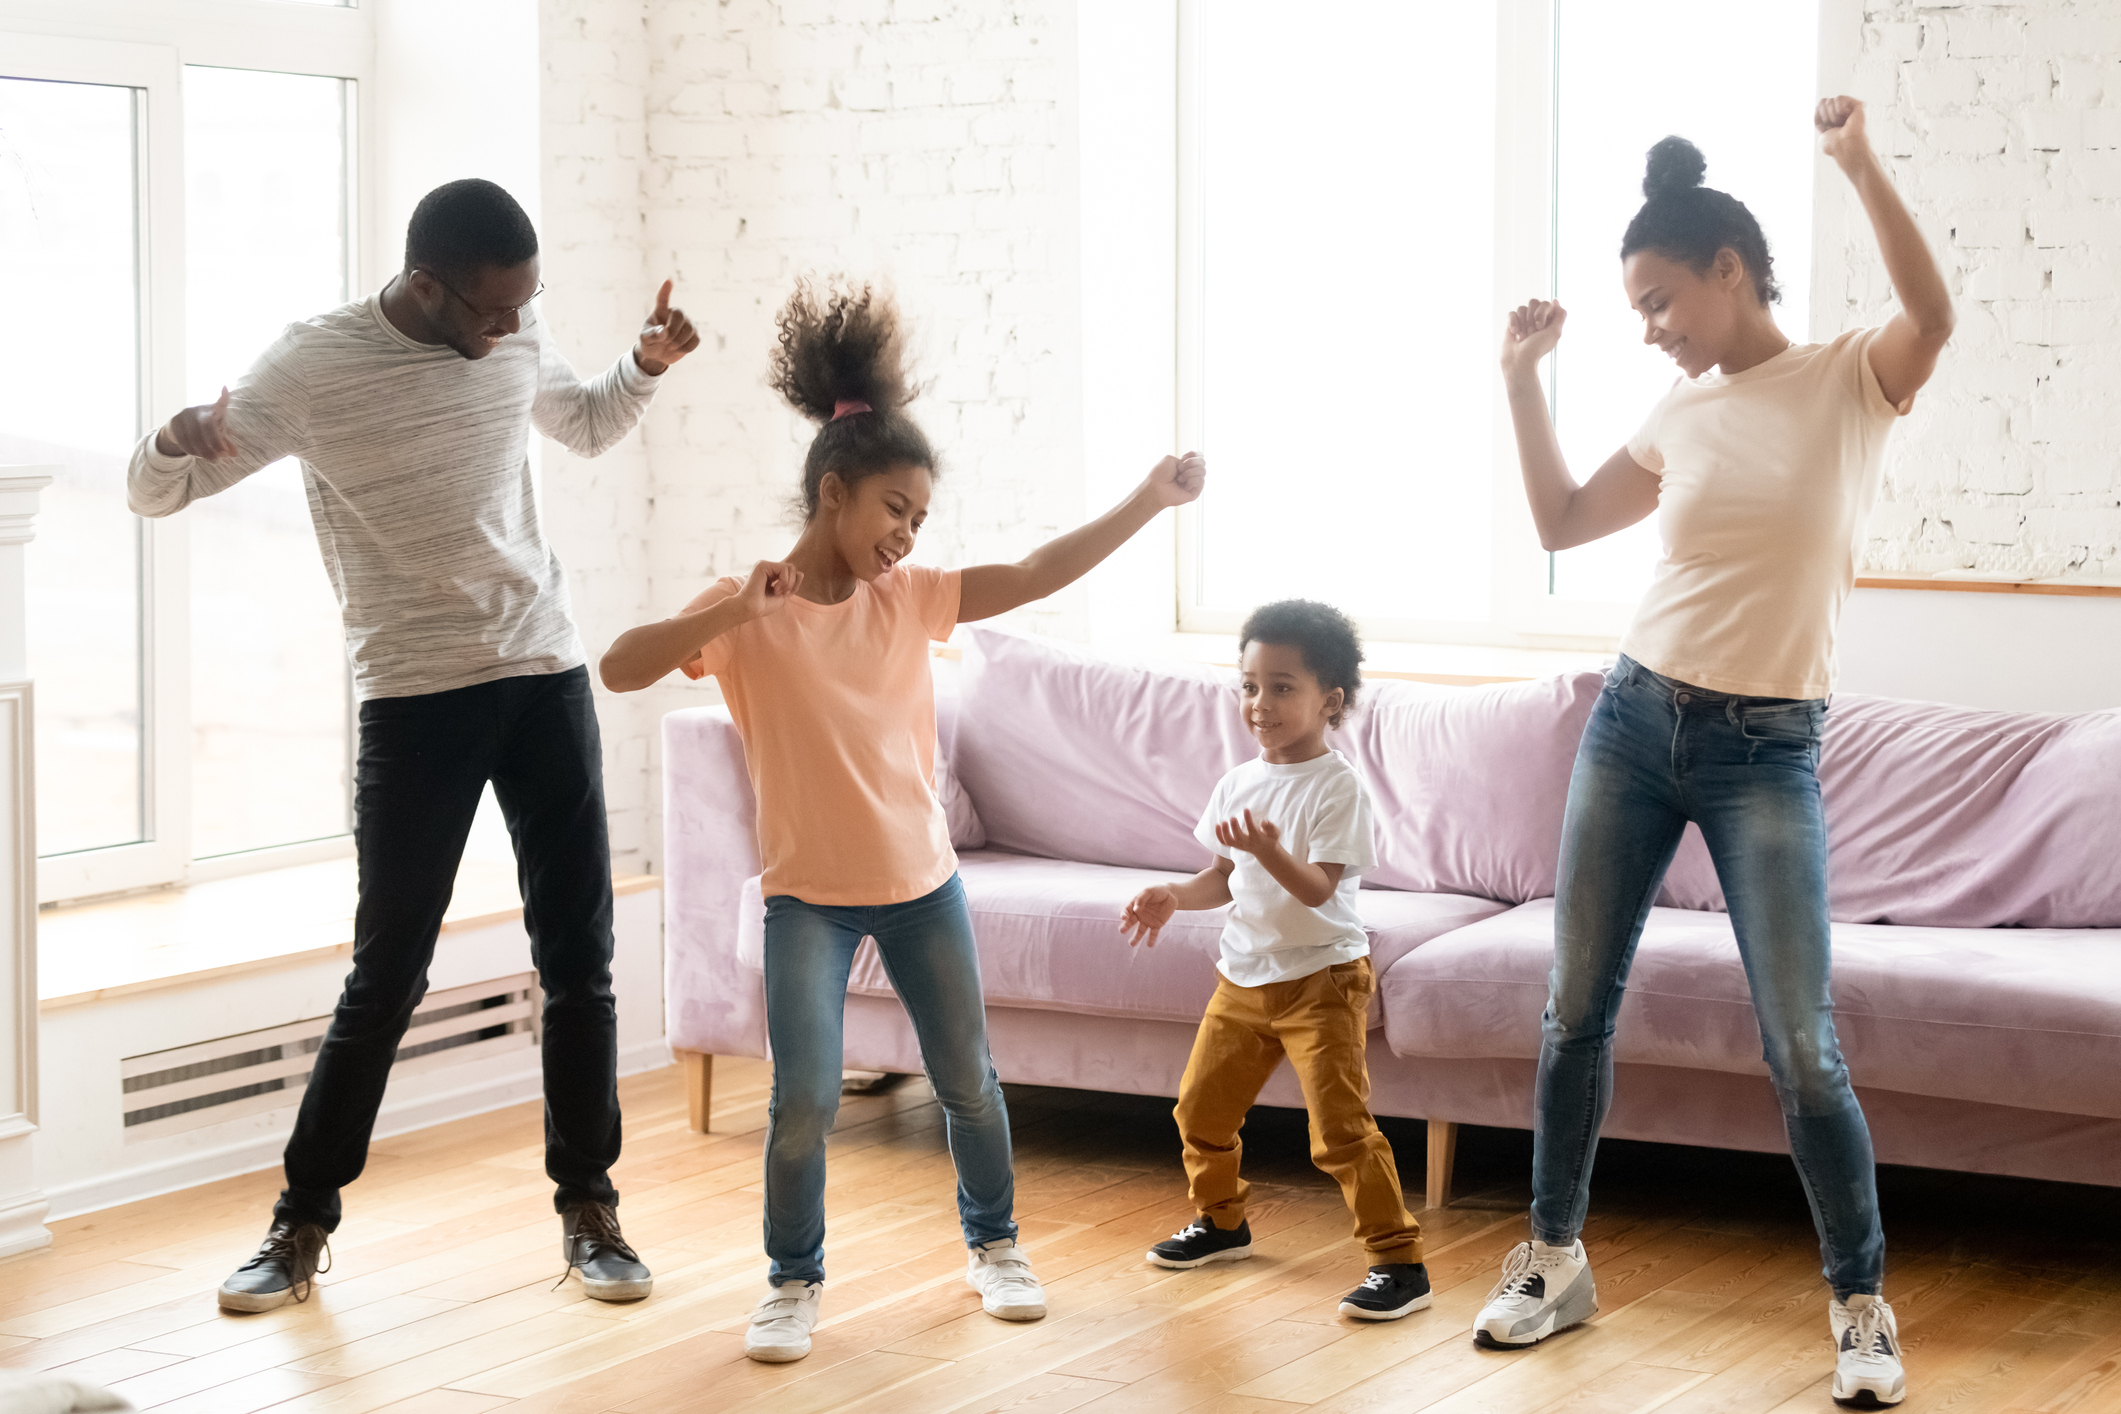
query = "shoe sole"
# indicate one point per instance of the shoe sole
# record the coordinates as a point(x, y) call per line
point(251, 1302)
point(769, 1355)
point(618, 1290)
point(1185, 1264)
point(1868, 1398)
point(1573, 1309)
point(1366, 1313)
point(1015, 1313)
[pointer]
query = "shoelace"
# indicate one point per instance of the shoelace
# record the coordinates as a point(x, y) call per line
point(1521, 1267)
point(596, 1224)
point(1187, 1231)
point(1377, 1281)
point(1872, 1331)
point(286, 1249)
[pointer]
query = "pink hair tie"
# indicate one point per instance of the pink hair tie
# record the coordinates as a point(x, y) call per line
point(847, 407)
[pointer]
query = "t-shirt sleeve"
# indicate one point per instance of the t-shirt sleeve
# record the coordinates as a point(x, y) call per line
point(1643, 445)
point(936, 595)
point(713, 657)
point(1341, 834)
point(1870, 393)
point(1218, 810)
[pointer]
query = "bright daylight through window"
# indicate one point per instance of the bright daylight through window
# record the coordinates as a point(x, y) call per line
point(245, 644)
point(1343, 259)
point(1753, 122)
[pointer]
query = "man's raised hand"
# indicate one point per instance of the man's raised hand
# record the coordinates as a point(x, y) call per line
point(198, 432)
point(771, 584)
point(667, 336)
point(1147, 913)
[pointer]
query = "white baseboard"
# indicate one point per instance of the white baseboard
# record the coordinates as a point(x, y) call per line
point(22, 1226)
point(262, 1151)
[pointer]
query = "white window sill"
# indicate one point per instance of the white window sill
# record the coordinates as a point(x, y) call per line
point(90, 951)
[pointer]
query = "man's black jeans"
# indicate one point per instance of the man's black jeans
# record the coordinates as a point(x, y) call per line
point(424, 762)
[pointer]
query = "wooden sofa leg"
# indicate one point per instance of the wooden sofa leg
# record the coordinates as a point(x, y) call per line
point(1443, 1152)
point(699, 1088)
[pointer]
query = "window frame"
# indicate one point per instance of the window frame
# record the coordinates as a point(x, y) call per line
point(1522, 614)
point(145, 45)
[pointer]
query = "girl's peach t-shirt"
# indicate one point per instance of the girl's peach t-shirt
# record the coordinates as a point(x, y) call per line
point(836, 705)
point(1766, 480)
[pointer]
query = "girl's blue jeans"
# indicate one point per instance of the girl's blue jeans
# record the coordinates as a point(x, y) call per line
point(1656, 754)
point(926, 946)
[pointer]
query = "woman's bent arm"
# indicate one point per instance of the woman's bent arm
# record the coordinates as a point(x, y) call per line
point(1567, 514)
point(1905, 352)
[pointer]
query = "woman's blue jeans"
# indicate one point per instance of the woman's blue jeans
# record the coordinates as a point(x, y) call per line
point(1656, 754)
point(926, 946)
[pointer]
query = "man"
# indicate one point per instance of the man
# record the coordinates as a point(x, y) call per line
point(411, 413)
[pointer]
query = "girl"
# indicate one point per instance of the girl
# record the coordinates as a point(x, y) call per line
point(1763, 460)
point(823, 660)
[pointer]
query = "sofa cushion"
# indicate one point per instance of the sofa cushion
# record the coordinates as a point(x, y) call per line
point(1048, 937)
point(1469, 782)
point(1951, 817)
point(2013, 1016)
point(1074, 757)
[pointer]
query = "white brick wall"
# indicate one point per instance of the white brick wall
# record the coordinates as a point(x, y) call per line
point(735, 144)
point(2002, 125)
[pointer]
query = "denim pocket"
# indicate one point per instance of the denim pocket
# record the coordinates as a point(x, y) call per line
point(1795, 723)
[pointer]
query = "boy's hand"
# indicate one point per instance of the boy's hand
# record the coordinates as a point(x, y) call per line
point(1146, 915)
point(771, 585)
point(1841, 120)
point(1176, 480)
point(1533, 331)
point(1260, 838)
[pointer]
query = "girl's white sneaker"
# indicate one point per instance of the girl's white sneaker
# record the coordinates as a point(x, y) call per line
point(781, 1322)
point(1867, 1370)
point(1001, 1273)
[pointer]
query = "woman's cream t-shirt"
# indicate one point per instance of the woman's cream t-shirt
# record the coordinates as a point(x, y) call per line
point(1768, 477)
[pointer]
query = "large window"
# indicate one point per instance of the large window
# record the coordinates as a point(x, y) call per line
point(1365, 189)
point(167, 209)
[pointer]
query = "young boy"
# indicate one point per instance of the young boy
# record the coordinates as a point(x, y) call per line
point(1291, 835)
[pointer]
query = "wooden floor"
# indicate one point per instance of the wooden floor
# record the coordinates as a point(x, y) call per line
point(442, 1297)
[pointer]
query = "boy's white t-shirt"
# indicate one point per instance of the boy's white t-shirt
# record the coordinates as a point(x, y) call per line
point(1323, 813)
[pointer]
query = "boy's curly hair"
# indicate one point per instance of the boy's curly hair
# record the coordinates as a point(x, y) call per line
point(1331, 648)
point(842, 343)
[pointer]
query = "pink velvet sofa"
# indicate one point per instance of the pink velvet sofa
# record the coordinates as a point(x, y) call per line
point(1976, 884)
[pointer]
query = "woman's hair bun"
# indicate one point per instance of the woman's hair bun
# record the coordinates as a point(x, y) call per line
point(1675, 165)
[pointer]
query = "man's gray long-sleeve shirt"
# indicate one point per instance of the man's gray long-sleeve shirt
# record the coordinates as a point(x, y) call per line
point(416, 461)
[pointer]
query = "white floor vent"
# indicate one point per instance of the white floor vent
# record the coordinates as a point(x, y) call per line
point(211, 1081)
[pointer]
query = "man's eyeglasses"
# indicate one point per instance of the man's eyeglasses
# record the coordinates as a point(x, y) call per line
point(482, 313)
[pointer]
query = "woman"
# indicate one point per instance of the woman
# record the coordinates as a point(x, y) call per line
point(1762, 460)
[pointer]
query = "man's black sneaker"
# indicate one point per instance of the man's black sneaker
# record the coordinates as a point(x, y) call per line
point(592, 1244)
point(283, 1269)
point(1389, 1292)
point(1203, 1242)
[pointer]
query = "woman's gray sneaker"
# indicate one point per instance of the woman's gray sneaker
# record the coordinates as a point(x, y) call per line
point(590, 1242)
point(283, 1269)
point(1543, 1290)
point(1867, 1372)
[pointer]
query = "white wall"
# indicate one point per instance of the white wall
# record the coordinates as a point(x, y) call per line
point(2001, 123)
point(2010, 652)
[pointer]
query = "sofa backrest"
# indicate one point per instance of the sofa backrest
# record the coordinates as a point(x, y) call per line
point(1951, 817)
point(1076, 757)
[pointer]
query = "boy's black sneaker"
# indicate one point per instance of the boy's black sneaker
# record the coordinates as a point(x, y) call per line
point(1202, 1242)
point(1388, 1293)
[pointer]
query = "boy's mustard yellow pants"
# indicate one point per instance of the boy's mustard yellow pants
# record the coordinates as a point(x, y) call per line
point(1320, 1022)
